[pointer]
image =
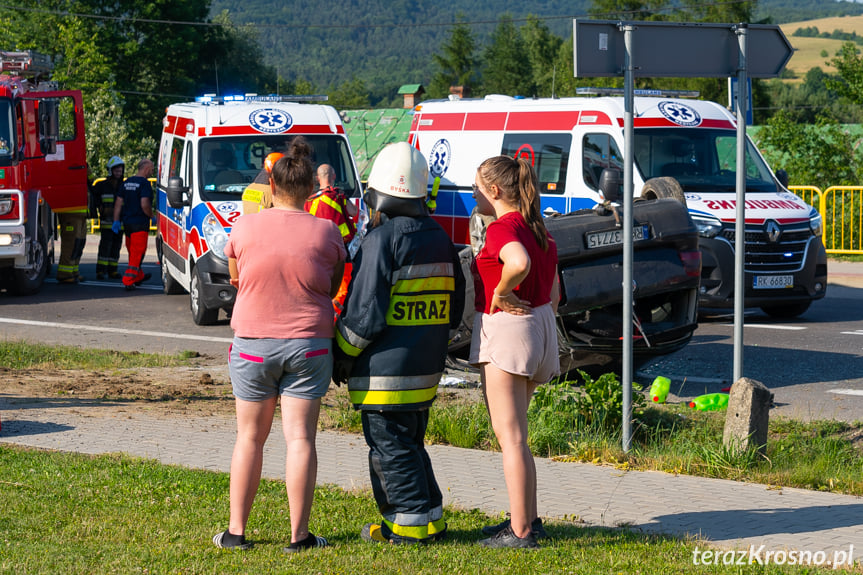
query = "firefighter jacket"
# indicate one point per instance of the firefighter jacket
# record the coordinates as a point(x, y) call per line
point(102, 196)
point(406, 293)
point(329, 204)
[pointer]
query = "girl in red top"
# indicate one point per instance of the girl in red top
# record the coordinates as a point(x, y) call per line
point(514, 337)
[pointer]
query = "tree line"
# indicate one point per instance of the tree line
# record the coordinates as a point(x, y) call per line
point(132, 58)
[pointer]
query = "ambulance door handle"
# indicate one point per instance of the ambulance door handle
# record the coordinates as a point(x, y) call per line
point(84, 167)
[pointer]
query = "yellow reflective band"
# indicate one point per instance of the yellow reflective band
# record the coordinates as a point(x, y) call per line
point(313, 209)
point(343, 229)
point(413, 531)
point(252, 195)
point(440, 283)
point(403, 397)
point(428, 309)
point(346, 346)
point(436, 527)
point(330, 202)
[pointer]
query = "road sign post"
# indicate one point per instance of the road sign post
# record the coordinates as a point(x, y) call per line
point(605, 48)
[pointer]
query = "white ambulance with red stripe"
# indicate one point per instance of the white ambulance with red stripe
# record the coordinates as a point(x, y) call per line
point(210, 151)
point(680, 147)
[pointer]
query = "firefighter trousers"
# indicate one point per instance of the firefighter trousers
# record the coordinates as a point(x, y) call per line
point(136, 244)
point(73, 236)
point(401, 473)
point(109, 249)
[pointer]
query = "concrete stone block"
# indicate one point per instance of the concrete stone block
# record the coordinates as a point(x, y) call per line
point(748, 415)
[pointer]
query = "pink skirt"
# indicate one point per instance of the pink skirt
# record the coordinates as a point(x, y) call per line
point(523, 345)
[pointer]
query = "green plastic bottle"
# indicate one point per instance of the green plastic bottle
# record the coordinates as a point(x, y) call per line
point(710, 402)
point(659, 389)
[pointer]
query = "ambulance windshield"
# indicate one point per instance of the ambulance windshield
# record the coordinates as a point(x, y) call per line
point(700, 159)
point(229, 164)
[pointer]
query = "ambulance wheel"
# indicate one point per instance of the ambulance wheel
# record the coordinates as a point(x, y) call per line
point(656, 188)
point(201, 314)
point(169, 285)
point(28, 282)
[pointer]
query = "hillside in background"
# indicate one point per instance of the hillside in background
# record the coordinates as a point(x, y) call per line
point(809, 51)
point(388, 43)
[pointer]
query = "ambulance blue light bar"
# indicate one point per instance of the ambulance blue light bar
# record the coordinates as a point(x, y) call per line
point(654, 93)
point(212, 99)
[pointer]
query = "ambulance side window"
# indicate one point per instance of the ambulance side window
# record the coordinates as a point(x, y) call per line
point(176, 157)
point(599, 152)
point(547, 153)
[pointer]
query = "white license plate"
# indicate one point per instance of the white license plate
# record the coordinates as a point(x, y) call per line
point(772, 282)
point(615, 237)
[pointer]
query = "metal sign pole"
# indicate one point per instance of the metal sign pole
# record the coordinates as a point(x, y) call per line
point(740, 223)
point(628, 107)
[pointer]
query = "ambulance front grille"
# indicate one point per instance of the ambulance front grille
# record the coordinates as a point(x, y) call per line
point(765, 256)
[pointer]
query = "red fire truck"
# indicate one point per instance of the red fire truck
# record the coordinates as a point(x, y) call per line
point(43, 167)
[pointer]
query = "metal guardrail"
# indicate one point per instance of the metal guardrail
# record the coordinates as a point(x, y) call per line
point(841, 209)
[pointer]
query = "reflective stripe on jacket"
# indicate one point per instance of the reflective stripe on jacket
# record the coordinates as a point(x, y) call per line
point(329, 204)
point(406, 293)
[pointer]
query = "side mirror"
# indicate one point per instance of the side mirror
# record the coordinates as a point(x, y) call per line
point(176, 192)
point(49, 126)
point(611, 184)
point(782, 176)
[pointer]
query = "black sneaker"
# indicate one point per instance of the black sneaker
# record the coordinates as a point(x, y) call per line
point(227, 540)
point(310, 541)
point(506, 539)
point(143, 279)
point(535, 527)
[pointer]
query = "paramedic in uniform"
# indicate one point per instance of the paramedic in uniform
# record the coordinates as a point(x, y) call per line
point(258, 196)
point(133, 209)
point(103, 205)
point(329, 203)
point(406, 292)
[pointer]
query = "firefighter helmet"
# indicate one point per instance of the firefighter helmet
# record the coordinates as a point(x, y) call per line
point(271, 160)
point(114, 162)
point(400, 171)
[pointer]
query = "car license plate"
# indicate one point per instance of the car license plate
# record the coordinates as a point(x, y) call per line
point(772, 282)
point(615, 237)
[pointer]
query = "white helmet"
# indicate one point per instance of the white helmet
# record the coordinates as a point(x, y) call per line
point(114, 162)
point(400, 171)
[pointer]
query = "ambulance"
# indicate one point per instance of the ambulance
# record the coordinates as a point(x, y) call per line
point(683, 149)
point(210, 150)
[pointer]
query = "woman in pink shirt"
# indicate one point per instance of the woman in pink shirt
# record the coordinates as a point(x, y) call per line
point(514, 340)
point(286, 265)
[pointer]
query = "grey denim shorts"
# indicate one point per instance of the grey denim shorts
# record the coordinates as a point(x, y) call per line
point(265, 368)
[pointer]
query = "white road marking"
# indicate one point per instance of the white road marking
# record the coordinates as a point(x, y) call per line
point(846, 391)
point(115, 330)
point(767, 326)
point(108, 284)
point(858, 332)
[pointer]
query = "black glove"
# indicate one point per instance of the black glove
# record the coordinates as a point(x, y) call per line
point(342, 368)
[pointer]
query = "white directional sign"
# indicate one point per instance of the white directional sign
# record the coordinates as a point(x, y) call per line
point(677, 49)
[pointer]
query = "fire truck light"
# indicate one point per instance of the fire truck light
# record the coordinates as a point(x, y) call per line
point(5, 207)
point(11, 239)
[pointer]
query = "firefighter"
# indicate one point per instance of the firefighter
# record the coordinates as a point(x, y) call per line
point(329, 203)
point(406, 293)
point(103, 194)
point(134, 204)
point(257, 196)
point(73, 237)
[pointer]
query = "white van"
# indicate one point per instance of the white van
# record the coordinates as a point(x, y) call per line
point(680, 147)
point(210, 150)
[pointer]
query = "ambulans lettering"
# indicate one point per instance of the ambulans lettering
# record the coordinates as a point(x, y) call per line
point(755, 205)
point(270, 121)
point(431, 309)
point(439, 159)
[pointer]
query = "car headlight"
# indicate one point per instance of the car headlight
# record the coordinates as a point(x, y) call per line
point(815, 224)
point(707, 226)
point(216, 236)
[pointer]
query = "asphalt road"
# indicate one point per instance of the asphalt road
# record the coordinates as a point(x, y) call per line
point(813, 364)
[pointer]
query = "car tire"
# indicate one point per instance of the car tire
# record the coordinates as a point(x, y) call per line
point(657, 188)
point(29, 282)
point(169, 285)
point(201, 314)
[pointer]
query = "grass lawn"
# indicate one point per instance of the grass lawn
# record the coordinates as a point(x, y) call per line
point(69, 514)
